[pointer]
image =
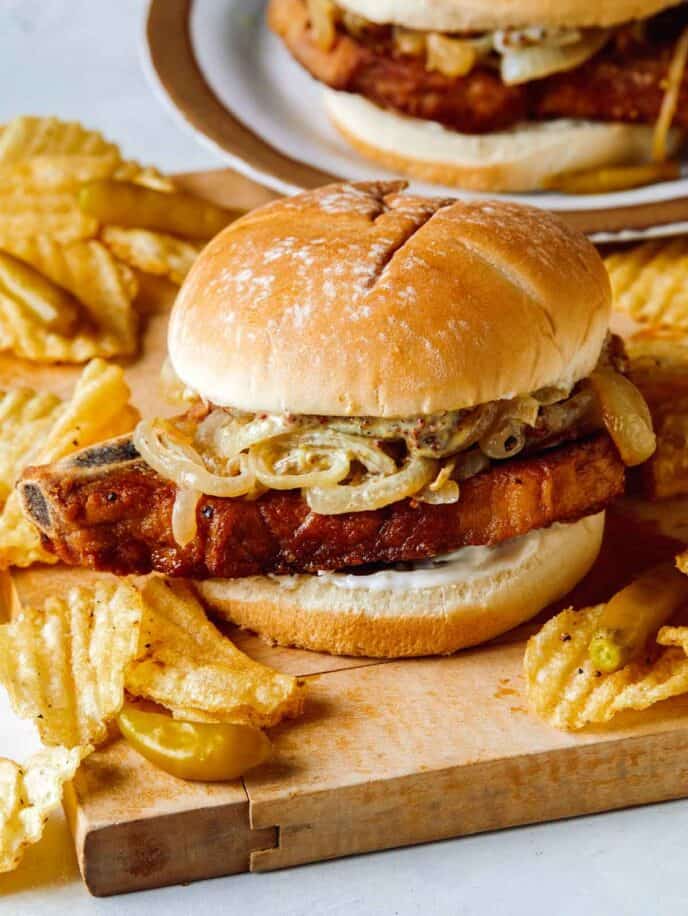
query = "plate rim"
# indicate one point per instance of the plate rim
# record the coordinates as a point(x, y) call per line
point(172, 64)
point(178, 76)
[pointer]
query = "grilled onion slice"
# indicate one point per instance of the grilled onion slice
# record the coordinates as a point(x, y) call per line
point(625, 414)
point(179, 462)
point(523, 65)
point(311, 467)
point(375, 492)
point(184, 522)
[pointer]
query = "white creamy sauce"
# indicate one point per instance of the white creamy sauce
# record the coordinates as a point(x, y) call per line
point(465, 565)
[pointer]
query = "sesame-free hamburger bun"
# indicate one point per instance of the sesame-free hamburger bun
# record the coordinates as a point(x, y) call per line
point(361, 300)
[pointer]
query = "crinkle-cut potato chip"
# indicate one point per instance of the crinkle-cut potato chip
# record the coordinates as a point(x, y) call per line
point(658, 364)
point(28, 794)
point(146, 175)
point(650, 282)
point(69, 172)
point(152, 252)
point(58, 172)
point(566, 691)
point(665, 475)
point(659, 368)
point(51, 305)
point(63, 664)
point(188, 666)
point(26, 136)
point(98, 409)
point(105, 288)
point(61, 264)
point(25, 420)
point(26, 211)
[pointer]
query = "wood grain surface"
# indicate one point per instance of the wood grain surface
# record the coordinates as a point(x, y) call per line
point(387, 753)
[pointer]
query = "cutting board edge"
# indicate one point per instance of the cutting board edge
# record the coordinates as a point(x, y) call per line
point(174, 848)
point(461, 801)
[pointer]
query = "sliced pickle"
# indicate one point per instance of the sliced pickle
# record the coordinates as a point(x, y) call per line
point(619, 178)
point(195, 751)
point(635, 614)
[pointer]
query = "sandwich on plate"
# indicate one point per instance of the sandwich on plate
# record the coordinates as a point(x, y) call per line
point(500, 95)
point(404, 419)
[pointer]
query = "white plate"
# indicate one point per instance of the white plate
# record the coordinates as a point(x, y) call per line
point(257, 82)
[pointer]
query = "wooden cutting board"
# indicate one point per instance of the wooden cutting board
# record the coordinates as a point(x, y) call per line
point(387, 753)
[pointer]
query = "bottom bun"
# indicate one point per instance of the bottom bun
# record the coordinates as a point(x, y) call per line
point(520, 159)
point(477, 594)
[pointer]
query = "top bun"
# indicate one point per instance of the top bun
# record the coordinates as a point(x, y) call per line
point(358, 299)
point(461, 15)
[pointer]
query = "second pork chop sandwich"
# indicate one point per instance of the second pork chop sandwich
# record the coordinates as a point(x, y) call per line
point(397, 437)
point(502, 95)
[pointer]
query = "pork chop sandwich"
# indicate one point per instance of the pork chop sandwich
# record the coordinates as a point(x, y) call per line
point(501, 95)
point(397, 439)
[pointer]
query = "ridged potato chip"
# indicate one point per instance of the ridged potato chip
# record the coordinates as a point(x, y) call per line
point(26, 136)
point(658, 363)
point(650, 282)
point(49, 171)
point(146, 175)
point(25, 420)
point(98, 409)
point(152, 252)
point(27, 796)
point(26, 211)
point(189, 667)
point(666, 474)
point(659, 368)
point(566, 690)
point(104, 287)
point(49, 304)
point(69, 172)
point(63, 664)
point(58, 172)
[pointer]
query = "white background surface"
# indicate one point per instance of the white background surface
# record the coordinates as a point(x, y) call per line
point(80, 59)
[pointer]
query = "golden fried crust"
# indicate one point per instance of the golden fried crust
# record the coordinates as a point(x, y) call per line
point(624, 82)
point(118, 516)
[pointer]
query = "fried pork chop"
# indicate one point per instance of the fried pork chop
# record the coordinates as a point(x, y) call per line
point(105, 508)
point(624, 82)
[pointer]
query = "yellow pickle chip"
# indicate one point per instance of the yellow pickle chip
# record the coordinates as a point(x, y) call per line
point(565, 688)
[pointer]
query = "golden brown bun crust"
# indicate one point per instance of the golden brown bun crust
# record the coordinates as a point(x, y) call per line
point(457, 15)
point(363, 300)
point(523, 158)
point(316, 615)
